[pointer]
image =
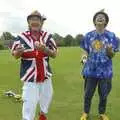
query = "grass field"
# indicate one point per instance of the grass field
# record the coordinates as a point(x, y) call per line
point(67, 102)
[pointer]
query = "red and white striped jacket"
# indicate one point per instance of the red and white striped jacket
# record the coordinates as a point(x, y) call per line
point(34, 64)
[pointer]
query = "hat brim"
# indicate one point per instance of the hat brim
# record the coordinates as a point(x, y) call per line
point(44, 19)
point(30, 16)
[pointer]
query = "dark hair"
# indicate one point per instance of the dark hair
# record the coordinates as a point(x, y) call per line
point(105, 14)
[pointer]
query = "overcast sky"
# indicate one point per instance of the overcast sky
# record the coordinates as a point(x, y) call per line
point(63, 16)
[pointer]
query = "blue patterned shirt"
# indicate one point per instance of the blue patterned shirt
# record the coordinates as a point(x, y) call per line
point(98, 65)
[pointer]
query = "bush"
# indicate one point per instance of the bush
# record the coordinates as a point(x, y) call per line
point(1, 47)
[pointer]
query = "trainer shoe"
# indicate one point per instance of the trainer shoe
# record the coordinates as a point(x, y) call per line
point(42, 117)
point(103, 117)
point(84, 116)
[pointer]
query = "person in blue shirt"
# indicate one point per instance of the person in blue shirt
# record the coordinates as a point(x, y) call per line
point(101, 46)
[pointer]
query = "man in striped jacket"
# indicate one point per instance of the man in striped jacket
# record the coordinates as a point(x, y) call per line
point(34, 47)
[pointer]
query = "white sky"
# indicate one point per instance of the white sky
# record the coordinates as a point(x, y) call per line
point(63, 16)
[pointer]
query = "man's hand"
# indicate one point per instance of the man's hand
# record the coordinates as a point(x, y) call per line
point(109, 51)
point(18, 51)
point(39, 46)
point(46, 50)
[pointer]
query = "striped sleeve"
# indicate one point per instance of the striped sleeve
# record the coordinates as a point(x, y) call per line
point(15, 44)
point(51, 43)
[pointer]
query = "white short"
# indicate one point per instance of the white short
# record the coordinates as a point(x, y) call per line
point(34, 93)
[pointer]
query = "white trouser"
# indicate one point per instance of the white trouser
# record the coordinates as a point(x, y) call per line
point(34, 93)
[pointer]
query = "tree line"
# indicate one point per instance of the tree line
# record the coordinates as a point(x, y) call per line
point(6, 39)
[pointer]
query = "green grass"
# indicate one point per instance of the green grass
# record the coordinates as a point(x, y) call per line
point(67, 101)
